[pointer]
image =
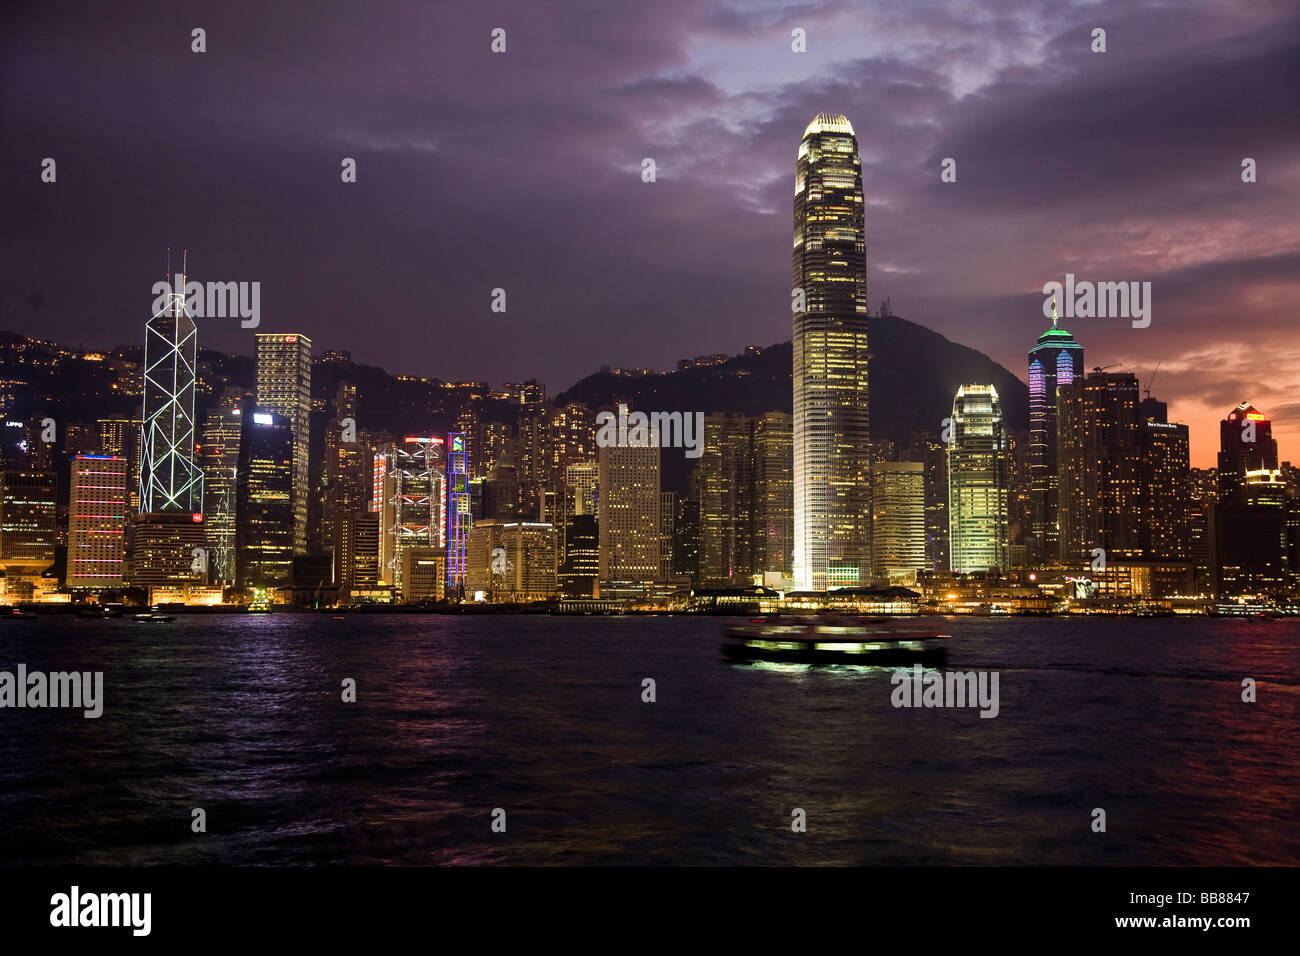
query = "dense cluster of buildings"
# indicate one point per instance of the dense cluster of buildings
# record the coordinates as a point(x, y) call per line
point(1092, 502)
point(1089, 503)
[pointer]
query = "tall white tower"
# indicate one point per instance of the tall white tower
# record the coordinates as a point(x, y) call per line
point(832, 435)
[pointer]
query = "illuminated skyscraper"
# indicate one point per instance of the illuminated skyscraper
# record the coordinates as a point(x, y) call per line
point(745, 514)
point(832, 439)
point(1100, 468)
point(413, 507)
point(1246, 444)
point(356, 554)
point(1056, 360)
point(581, 564)
point(1167, 505)
point(927, 449)
point(162, 548)
point(97, 522)
point(348, 468)
point(977, 481)
point(27, 521)
point(1250, 518)
point(459, 518)
point(121, 437)
point(773, 493)
point(628, 511)
point(219, 454)
point(898, 520)
point(264, 524)
point(284, 387)
point(726, 501)
point(501, 491)
point(667, 532)
point(1250, 532)
point(170, 479)
point(423, 568)
point(525, 568)
point(580, 488)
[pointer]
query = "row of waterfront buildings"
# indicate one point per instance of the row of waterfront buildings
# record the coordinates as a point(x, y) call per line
point(423, 518)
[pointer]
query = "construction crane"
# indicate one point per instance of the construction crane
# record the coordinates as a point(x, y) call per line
point(1102, 368)
point(1147, 390)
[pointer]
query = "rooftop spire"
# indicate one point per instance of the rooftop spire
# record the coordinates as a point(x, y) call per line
point(1053, 311)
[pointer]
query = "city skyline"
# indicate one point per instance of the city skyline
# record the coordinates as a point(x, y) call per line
point(1046, 184)
point(417, 452)
point(1130, 504)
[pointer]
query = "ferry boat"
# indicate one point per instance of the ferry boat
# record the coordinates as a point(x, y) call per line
point(832, 639)
point(1148, 609)
point(99, 610)
point(153, 617)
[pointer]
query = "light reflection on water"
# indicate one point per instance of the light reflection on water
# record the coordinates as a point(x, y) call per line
point(543, 717)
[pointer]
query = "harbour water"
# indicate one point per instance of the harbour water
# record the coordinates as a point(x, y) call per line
point(544, 718)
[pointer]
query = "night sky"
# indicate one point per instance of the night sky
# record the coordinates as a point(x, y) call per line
point(522, 170)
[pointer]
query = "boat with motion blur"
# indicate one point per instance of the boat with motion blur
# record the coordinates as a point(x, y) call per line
point(836, 639)
point(153, 617)
point(100, 610)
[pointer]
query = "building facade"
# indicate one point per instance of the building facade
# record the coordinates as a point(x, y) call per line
point(1250, 518)
point(898, 520)
point(977, 481)
point(832, 437)
point(512, 561)
point(628, 512)
point(265, 517)
point(170, 478)
point(28, 525)
point(97, 509)
point(284, 388)
point(1099, 463)
point(414, 504)
point(1056, 359)
point(219, 456)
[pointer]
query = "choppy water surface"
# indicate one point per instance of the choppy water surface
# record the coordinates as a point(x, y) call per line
point(543, 717)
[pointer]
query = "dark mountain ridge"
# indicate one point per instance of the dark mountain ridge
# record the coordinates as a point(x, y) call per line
point(914, 374)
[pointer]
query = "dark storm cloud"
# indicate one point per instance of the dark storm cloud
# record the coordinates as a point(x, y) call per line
point(523, 171)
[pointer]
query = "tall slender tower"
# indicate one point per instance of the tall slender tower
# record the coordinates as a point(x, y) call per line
point(349, 460)
point(832, 438)
point(219, 455)
point(284, 387)
point(1057, 359)
point(170, 479)
point(459, 518)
